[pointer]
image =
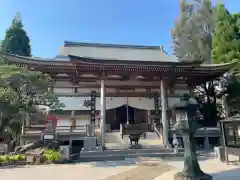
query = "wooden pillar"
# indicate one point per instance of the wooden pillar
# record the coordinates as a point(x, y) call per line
point(74, 121)
point(127, 112)
point(164, 112)
point(103, 111)
point(149, 117)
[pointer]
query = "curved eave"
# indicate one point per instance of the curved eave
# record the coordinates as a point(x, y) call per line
point(90, 64)
point(217, 67)
point(90, 61)
point(15, 59)
point(97, 61)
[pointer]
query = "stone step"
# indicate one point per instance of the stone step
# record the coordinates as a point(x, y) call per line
point(115, 157)
point(127, 151)
point(118, 156)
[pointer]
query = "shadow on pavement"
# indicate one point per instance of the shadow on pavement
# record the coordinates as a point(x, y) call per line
point(156, 160)
point(233, 174)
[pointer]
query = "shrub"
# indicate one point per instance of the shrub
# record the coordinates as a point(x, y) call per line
point(51, 156)
point(7, 158)
point(19, 157)
point(12, 157)
point(4, 159)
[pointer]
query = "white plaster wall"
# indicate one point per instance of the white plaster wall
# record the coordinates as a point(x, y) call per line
point(88, 90)
point(70, 90)
point(181, 91)
point(74, 103)
point(63, 84)
point(77, 103)
point(63, 121)
point(112, 102)
point(172, 101)
point(141, 103)
point(63, 90)
point(81, 120)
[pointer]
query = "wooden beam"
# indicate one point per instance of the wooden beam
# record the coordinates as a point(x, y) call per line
point(118, 94)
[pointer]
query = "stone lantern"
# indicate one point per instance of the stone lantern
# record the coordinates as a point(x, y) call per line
point(187, 124)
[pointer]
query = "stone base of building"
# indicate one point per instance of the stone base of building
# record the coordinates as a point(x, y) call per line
point(181, 176)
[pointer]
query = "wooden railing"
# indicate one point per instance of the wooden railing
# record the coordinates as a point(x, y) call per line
point(203, 132)
point(35, 129)
point(158, 131)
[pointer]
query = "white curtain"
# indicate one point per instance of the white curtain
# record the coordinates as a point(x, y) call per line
point(141, 103)
point(111, 102)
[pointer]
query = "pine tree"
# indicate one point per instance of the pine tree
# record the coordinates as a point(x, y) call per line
point(16, 40)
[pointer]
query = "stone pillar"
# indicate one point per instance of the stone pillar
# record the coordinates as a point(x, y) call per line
point(22, 142)
point(164, 113)
point(102, 111)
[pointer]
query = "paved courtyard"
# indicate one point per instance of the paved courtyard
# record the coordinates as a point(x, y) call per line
point(119, 170)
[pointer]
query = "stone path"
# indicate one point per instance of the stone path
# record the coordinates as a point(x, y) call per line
point(214, 167)
point(146, 170)
point(85, 171)
point(130, 169)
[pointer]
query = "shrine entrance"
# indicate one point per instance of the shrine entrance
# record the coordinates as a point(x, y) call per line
point(124, 114)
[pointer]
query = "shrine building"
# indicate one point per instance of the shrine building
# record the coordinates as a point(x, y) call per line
point(111, 86)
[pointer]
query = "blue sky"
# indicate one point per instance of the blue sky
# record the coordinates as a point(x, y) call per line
point(51, 22)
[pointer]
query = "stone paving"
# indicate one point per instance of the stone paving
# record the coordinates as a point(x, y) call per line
point(110, 169)
point(219, 170)
point(145, 170)
point(84, 171)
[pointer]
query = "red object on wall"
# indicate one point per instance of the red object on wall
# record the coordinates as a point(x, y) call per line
point(53, 119)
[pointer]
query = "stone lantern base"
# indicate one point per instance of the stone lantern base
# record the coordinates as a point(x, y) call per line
point(181, 176)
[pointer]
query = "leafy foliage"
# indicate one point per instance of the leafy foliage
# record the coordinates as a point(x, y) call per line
point(51, 156)
point(16, 40)
point(226, 39)
point(210, 34)
point(21, 90)
point(226, 47)
point(192, 33)
point(192, 42)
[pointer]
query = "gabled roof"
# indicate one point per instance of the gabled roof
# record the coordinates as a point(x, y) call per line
point(106, 45)
point(116, 52)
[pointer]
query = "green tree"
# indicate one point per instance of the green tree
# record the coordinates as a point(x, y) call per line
point(192, 33)
point(21, 92)
point(226, 38)
point(192, 42)
point(226, 47)
point(16, 40)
